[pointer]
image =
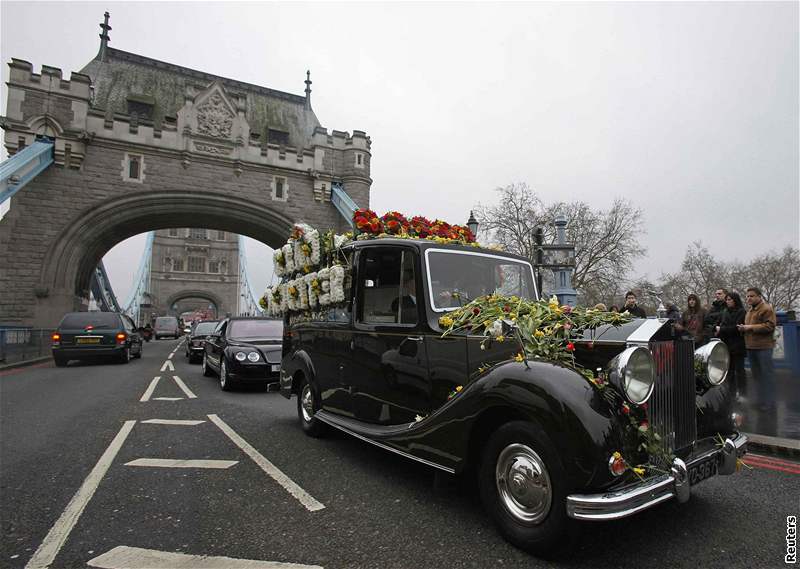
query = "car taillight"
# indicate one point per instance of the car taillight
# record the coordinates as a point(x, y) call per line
point(121, 337)
point(56, 337)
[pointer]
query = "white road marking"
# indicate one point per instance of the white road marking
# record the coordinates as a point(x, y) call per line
point(304, 497)
point(169, 357)
point(173, 422)
point(57, 535)
point(185, 389)
point(124, 557)
point(150, 388)
point(182, 463)
point(167, 364)
point(167, 398)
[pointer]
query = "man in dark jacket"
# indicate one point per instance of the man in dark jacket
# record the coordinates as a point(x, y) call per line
point(758, 329)
point(714, 314)
point(632, 307)
point(728, 332)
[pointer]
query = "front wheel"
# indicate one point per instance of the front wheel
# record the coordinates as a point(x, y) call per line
point(225, 382)
point(524, 489)
point(307, 405)
point(206, 370)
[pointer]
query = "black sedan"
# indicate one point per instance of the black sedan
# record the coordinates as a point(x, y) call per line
point(95, 335)
point(244, 350)
point(196, 339)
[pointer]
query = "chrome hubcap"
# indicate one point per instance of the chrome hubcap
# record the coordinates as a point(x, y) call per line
point(523, 484)
point(307, 403)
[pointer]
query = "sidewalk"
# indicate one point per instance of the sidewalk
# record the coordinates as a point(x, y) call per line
point(776, 430)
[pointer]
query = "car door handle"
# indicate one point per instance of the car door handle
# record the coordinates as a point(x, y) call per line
point(415, 338)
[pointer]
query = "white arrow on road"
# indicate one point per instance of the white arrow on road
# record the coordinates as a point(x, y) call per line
point(167, 364)
point(124, 557)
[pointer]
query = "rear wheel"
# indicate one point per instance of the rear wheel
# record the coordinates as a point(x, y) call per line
point(524, 489)
point(307, 405)
point(125, 356)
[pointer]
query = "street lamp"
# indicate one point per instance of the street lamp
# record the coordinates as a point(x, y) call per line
point(473, 224)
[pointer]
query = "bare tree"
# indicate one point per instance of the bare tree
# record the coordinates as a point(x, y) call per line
point(606, 241)
point(700, 274)
point(778, 277)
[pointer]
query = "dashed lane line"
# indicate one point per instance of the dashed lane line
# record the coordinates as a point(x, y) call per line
point(58, 534)
point(149, 391)
point(167, 398)
point(124, 557)
point(289, 485)
point(169, 357)
point(181, 463)
point(168, 364)
point(183, 386)
point(186, 422)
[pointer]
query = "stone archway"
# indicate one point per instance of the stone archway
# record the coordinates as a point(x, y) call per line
point(219, 306)
point(141, 144)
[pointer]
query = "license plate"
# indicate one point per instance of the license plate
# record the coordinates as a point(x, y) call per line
point(276, 367)
point(87, 340)
point(702, 470)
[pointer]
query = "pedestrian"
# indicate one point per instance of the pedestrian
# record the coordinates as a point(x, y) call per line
point(728, 332)
point(693, 320)
point(614, 308)
point(632, 307)
point(718, 308)
point(758, 329)
point(600, 306)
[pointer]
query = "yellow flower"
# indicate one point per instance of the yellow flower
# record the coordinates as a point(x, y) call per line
point(616, 455)
point(459, 388)
point(446, 321)
point(538, 333)
point(639, 471)
point(501, 338)
point(519, 357)
point(553, 303)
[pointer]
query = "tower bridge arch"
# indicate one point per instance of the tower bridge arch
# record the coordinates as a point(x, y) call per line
point(140, 145)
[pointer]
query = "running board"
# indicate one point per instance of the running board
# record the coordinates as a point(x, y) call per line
point(347, 426)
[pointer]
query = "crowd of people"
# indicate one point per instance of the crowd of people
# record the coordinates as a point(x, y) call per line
point(747, 332)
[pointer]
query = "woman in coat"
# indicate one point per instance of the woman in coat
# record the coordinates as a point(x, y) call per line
point(692, 320)
point(727, 331)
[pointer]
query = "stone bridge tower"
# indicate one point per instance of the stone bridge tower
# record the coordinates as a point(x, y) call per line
point(142, 145)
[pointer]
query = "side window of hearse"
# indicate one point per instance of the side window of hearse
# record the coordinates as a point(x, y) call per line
point(387, 287)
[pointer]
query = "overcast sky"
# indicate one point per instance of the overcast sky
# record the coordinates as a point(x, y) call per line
point(690, 110)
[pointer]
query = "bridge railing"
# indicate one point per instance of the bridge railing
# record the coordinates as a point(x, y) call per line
point(22, 344)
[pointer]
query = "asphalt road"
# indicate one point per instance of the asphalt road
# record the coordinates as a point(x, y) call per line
point(380, 510)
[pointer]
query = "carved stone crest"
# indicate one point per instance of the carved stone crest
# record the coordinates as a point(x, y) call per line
point(214, 118)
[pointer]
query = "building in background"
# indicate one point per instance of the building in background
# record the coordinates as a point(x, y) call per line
point(194, 273)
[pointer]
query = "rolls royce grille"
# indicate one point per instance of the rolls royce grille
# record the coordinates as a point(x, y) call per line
point(672, 405)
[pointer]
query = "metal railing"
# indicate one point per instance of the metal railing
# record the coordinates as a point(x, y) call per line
point(22, 344)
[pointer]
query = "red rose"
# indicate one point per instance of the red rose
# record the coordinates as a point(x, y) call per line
point(625, 409)
point(506, 308)
point(476, 311)
point(643, 406)
point(566, 309)
point(570, 347)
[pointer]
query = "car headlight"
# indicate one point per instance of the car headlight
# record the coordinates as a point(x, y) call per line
point(633, 373)
point(253, 357)
point(711, 363)
point(240, 356)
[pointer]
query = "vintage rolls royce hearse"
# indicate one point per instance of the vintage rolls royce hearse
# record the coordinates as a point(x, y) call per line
point(549, 442)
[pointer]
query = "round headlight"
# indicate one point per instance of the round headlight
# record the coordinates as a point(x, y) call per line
point(633, 373)
point(253, 356)
point(715, 359)
point(240, 356)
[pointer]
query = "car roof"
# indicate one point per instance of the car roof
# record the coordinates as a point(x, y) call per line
point(423, 244)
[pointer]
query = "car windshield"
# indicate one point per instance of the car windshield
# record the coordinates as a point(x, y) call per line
point(205, 328)
point(243, 329)
point(166, 322)
point(457, 277)
point(93, 319)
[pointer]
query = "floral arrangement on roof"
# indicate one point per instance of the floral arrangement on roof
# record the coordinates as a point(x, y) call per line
point(545, 330)
point(395, 224)
point(311, 264)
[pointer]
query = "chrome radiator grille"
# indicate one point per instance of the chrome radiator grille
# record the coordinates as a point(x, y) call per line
point(672, 405)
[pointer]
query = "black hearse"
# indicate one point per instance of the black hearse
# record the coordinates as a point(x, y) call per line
point(541, 438)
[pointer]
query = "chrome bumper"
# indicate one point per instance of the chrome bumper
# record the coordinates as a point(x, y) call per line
point(642, 495)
